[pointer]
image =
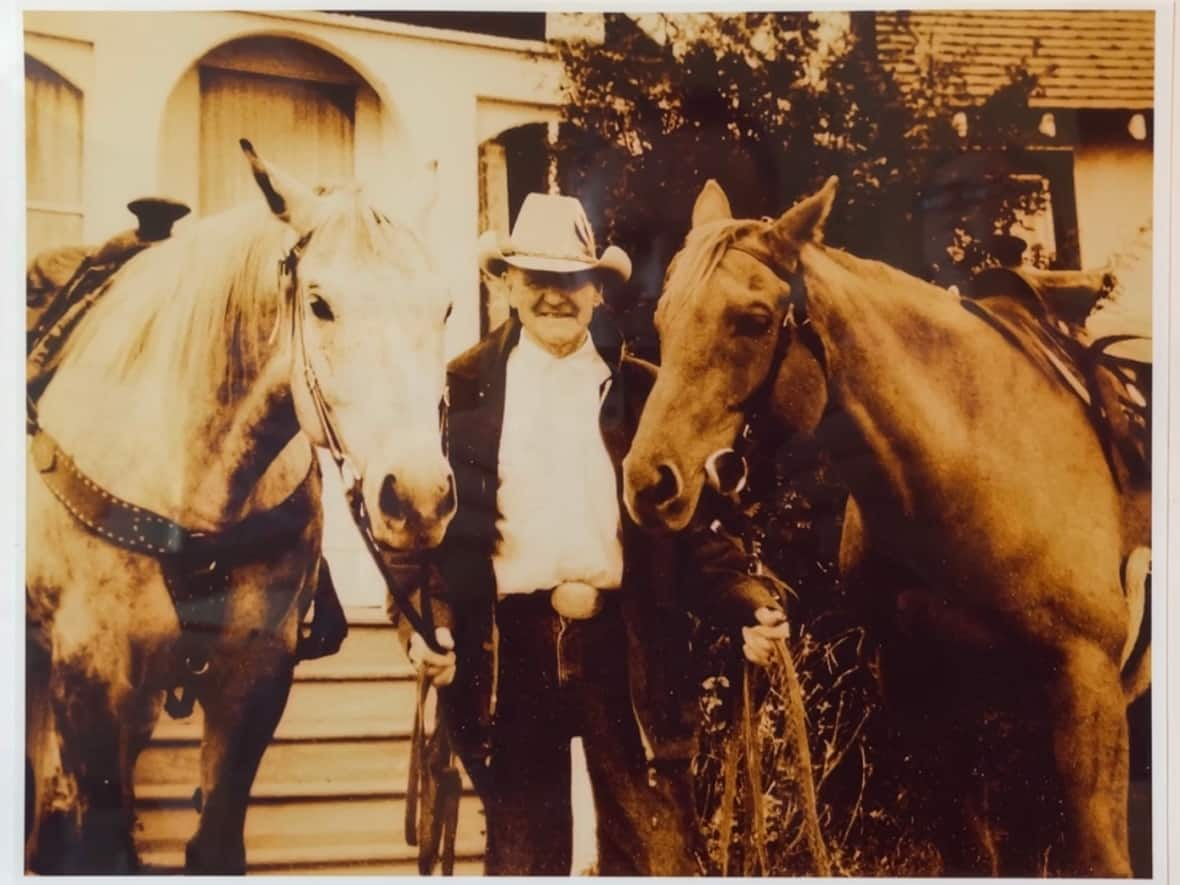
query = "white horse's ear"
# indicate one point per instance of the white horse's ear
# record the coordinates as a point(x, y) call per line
point(711, 205)
point(804, 222)
point(289, 199)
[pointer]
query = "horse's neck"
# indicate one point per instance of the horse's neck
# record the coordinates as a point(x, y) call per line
point(180, 448)
point(920, 380)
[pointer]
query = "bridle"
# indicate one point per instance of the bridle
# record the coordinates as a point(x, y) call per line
point(728, 470)
point(350, 477)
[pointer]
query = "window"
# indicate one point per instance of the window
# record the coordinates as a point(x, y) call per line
point(53, 159)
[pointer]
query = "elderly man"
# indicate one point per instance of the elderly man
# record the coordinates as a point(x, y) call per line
point(566, 620)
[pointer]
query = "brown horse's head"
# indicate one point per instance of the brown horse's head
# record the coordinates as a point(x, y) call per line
point(728, 321)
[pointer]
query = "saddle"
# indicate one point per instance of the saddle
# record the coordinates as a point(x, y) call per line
point(1043, 313)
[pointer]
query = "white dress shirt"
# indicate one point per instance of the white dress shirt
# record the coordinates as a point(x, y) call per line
point(559, 509)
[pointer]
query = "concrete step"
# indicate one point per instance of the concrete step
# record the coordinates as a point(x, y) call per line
point(302, 829)
point(363, 857)
point(348, 760)
point(325, 709)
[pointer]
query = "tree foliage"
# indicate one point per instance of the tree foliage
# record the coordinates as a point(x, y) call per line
point(769, 105)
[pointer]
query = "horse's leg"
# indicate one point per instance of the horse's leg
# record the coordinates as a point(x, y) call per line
point(42, 761)
point(243, 700)
point(89, 699)
point(1091, 750)
point(242, 708)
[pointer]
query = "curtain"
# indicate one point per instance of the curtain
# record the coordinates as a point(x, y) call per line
point(304, 127)
point(53, 159)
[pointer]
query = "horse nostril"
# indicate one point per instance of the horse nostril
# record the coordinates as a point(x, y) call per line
point(667, 487)
point(447, 505)
point(388, 500)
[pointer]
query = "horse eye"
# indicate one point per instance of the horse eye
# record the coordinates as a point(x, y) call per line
point(752, 325)
point(320, 308)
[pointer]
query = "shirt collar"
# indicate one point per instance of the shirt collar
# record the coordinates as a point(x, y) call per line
point(585, 356)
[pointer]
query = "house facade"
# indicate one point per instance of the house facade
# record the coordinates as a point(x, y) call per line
point(126, 104)
point(1090, 136)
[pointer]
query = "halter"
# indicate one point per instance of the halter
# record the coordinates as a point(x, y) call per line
point(349, 476)
point(733, 462)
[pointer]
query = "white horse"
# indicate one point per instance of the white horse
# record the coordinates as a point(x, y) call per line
point(181, 419)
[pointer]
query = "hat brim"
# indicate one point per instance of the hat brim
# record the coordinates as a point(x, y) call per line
point(614, 262)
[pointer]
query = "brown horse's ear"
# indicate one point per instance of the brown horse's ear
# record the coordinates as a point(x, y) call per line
point(711, 205)
point(289, 199)
point(804, 222)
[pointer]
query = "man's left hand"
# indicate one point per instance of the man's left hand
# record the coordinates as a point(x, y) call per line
point(758, 641)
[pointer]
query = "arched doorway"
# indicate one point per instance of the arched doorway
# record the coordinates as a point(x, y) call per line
point(303, 107)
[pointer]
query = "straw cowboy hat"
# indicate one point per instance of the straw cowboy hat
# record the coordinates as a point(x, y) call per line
point(551, 234)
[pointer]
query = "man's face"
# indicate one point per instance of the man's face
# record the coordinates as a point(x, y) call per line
point(555, 308)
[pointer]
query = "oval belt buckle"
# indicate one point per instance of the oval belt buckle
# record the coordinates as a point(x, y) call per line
point(576, 600)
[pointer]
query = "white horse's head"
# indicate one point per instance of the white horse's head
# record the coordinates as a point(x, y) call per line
point(368, 370)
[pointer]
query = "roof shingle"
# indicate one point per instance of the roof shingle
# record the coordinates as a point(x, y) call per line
point(1085, 58)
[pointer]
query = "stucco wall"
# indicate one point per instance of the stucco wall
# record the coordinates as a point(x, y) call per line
point(1114, 195)
point(1114, 198)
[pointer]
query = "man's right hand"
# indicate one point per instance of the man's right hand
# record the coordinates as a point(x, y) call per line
point(438, 668)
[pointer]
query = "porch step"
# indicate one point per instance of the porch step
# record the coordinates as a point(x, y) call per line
point(289, 763)
point(304, 828)
point(326, 709)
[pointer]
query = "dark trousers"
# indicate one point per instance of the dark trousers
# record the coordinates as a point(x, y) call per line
point(559, 679)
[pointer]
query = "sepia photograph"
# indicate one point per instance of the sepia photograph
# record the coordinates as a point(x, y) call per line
point(554, 443)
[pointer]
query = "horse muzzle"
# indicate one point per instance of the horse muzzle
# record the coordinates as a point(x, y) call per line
point(413, 516)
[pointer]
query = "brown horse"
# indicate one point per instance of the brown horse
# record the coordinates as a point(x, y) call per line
point(174, 442)
point(971, 468)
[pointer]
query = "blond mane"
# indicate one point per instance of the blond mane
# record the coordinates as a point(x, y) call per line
point(209, 299)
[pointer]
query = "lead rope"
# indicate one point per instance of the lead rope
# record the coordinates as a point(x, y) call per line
point(749, 743)
point(797, 723)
